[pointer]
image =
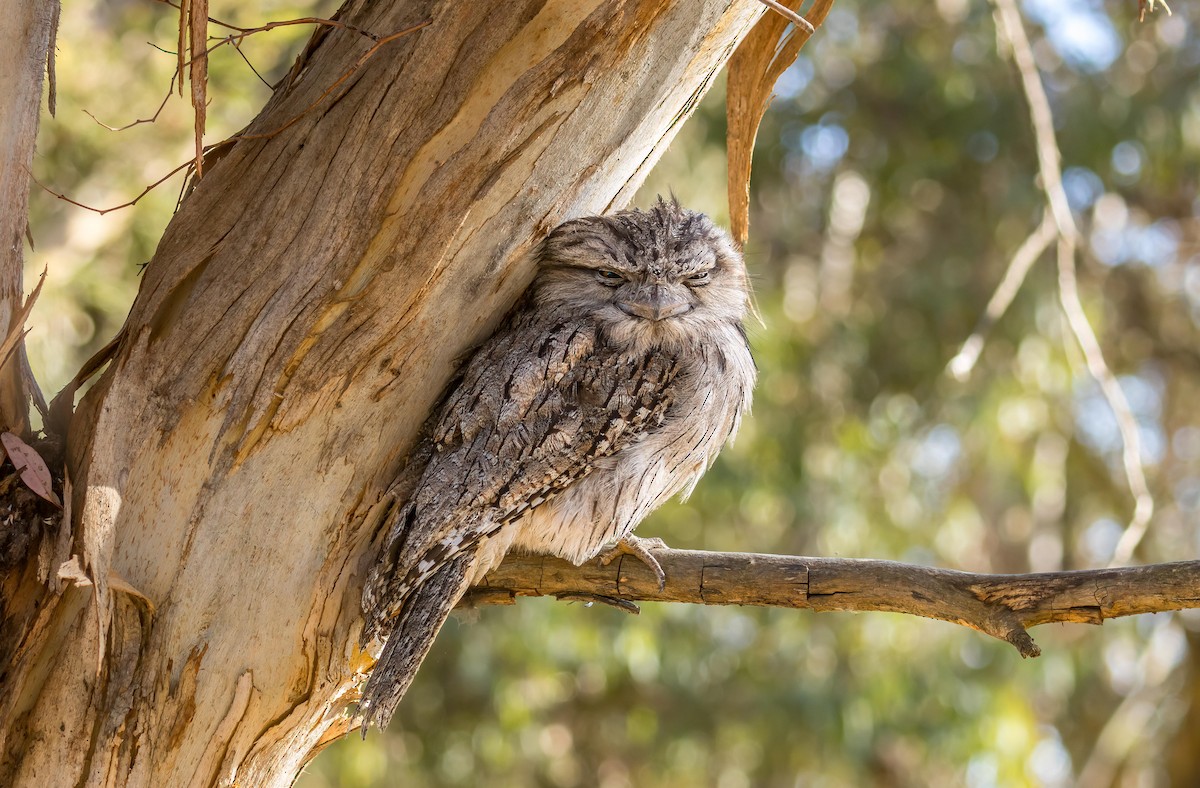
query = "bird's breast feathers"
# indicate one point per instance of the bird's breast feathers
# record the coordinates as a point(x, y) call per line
point(709, 397)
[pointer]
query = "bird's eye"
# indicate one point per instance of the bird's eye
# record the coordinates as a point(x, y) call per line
point(697, 280)
point(611, 278)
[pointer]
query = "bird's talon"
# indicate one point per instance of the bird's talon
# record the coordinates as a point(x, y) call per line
point(640, 549)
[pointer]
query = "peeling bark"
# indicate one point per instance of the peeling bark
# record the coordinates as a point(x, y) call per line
point(26, 41)
point(302, 313)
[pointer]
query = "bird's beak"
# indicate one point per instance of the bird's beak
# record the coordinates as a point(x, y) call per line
point(657, 303)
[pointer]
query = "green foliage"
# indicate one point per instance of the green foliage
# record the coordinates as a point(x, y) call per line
point(894, 178)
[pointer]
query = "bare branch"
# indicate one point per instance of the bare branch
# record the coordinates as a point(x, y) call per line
point(790, 15)
point(1133, 721)
point(1148, 5)
point(307, 20)
point(1012, 31)
point(125, 204)
point(1131, 454)
point(379, 43)
point(152, 119)
point(1002, 606)
point(197, 25)
point(1027, 254)
point(237, 47)
point(236, 41)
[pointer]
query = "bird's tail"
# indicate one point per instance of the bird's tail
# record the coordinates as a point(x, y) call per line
point(413, 631)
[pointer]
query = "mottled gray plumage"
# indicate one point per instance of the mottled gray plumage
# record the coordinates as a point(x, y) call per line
point(609, 388)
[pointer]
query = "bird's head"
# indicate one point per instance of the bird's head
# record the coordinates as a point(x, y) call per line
point(650, 279)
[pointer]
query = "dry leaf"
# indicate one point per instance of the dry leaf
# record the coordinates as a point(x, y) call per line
point(31, 466)
point(762, 56)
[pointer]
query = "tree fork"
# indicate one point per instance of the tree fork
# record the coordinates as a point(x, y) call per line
point(301, 315)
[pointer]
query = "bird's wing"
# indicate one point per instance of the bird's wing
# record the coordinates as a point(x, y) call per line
point(412, 635)
point(536, 407)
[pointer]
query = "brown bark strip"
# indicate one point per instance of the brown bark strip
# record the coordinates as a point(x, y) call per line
point(998, 605)
point(753, 71)
point(198, 74)
point(16, 328)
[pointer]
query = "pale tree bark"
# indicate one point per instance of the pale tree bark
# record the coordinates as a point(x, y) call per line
point(26, 39)
point(303, 311)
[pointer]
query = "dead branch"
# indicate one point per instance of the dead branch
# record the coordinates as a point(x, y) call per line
point(152, 119)
point(790, 15)
point(237, 47)
point(1148, 5)
point(1026, 255)
point(307, 20)
point(1002, 606)
point(193, 32)
point(380, 41)
point(236, 42)
point(1011, 30)
point(126, 204)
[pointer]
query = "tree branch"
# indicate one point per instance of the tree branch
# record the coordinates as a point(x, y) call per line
point(1027, 254)
point(1012, 29)
point(1002, 606)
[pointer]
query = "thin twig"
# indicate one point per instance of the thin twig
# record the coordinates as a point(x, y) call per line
point(307, 20)
point(1131, 454)
point(790, 15)
point(153, 118)
point(235, 41)
point(127, 204)
point(1002, 606)
point(1130, 724)
point(170, 86)
point(237, 46)
point(1013, 31)
point(1027, 254)
point(380, 43)
point(1148, 5)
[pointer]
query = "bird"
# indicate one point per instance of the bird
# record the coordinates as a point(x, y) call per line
point(608, 389)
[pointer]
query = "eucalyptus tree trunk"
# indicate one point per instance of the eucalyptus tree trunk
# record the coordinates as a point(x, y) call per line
point(26, 39)
point(301, 315)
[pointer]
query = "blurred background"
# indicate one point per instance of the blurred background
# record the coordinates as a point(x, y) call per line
point(894, 178)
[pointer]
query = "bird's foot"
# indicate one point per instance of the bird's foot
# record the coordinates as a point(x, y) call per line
point(640, 549)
